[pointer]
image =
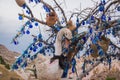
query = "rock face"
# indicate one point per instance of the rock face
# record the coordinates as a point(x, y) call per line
point(47, 71)
point(8, 56)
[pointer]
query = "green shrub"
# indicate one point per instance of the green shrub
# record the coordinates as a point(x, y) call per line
point(110, 78)
point(2, 61)
point(7, 66)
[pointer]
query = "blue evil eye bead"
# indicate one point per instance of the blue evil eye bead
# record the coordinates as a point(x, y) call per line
point(40, 36)
point(20, 17)
point(77, 23)
point(19, 61)
point(27, 23)
point(30, 26)
point(27, 11)
point(83, 22)
point(104, 2)
point(46, 8)
point(118, 8)
point(34, 50)
point(23, 32)
point(73, 65)
point(97, 27)
point(28, 55)
point(101, 52)
point(27, 32)
point(77, 20)
point(15, 42)
point(36, 47)
point(14, 66)
point(36, 24)
point(109, 18)
point(47, 50)
point(42, 50)
point(25, 52)
point(25, 64)
point(37, 1)
point(92, 18)
point(88, 22)
point(103, 18)
point(24, 6)
point(40, 44)
point(91, 51)
point(90, 30)
point(101, 8)
point(65, 50)
point(34, 39)
point(109, 31)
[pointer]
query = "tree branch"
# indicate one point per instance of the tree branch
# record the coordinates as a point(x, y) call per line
point(47, 5)
point(33, 18)
point(61, 11)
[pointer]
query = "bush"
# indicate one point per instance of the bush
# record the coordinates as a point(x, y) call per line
point(7, 66)
point(110, 78)
point(2, 61)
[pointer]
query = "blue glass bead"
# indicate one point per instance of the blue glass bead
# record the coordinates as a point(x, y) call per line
point(35, 47)
point(42, 51)
point(28, 32)
point(25, 64)
point(47, 50)
point(25, 52)
point(101, 8)
point(15, 67)
point(40, 44)
point(28, 55)
point(40, 36)
point(46, 8)
point(92, 17)
point(20, 18)
point(91, 51)
point(90, 30)
point(77, 20)
point(34, 50)
point(27, 11)
point(30, 26)
point(118, 8)
point(83, 22)
point(104, 2)
point(24, 5)
point(36, 24)
point(35, 39)
point(15, 42)
point(103, 17)
point(109, 18)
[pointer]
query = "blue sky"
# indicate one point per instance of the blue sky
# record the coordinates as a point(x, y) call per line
point(9, 23)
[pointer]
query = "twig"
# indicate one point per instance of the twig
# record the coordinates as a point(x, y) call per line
point(61, 11)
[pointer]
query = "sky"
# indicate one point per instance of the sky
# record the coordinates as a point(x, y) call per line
point(9, 23)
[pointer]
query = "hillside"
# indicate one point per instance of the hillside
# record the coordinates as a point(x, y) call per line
point(7, 55)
